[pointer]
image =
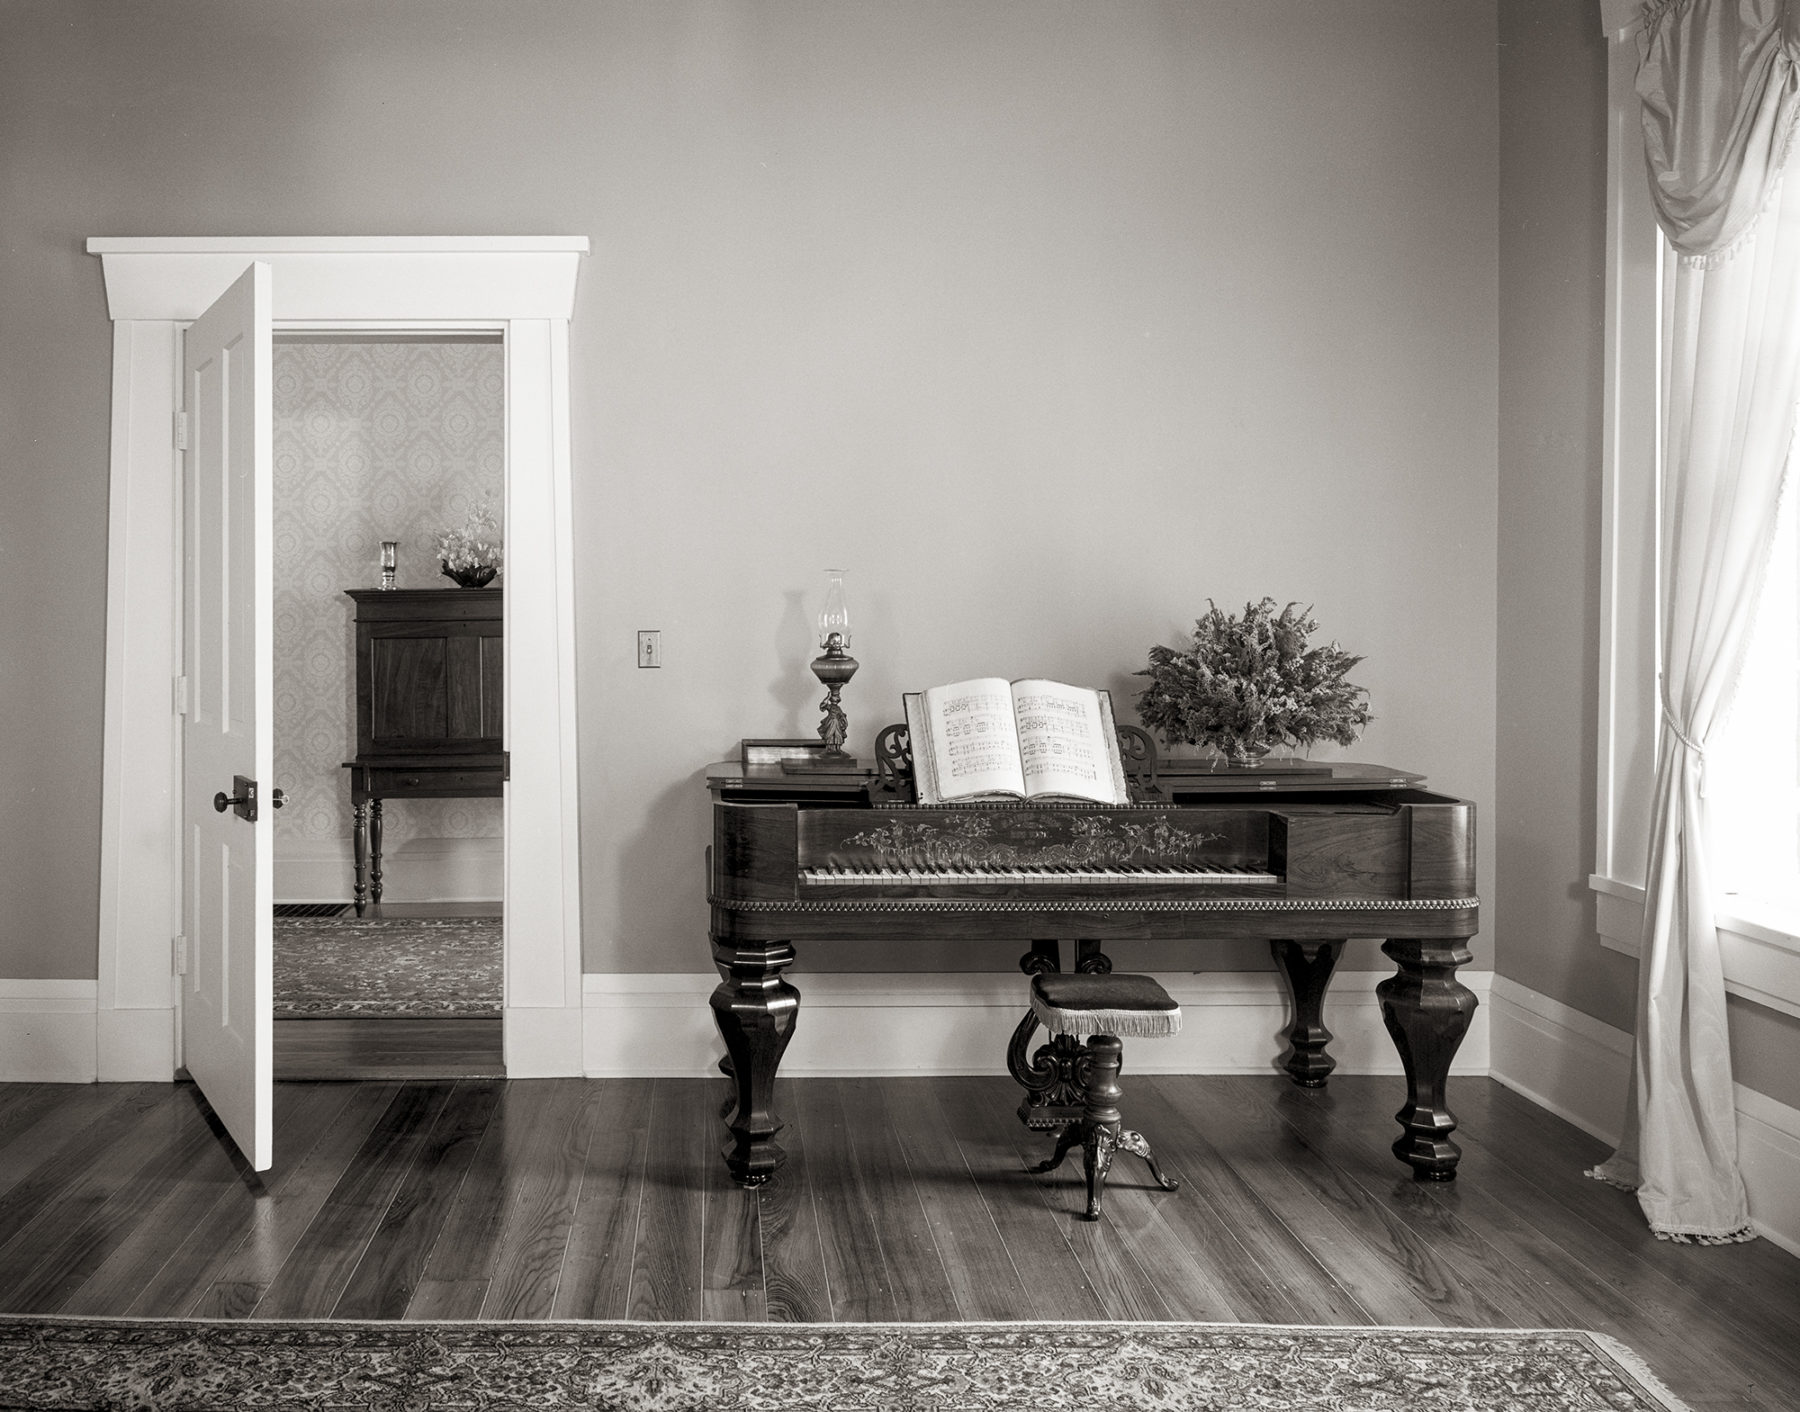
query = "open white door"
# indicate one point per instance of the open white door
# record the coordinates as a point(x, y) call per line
point(229, 756)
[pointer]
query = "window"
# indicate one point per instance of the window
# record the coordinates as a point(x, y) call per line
point(1753, 760)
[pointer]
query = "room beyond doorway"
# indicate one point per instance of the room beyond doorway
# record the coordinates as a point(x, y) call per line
point(383, 443)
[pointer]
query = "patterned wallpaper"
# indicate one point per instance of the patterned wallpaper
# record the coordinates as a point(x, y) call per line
point(373, 441)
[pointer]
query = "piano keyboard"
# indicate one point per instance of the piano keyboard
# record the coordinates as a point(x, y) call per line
point(989, 877)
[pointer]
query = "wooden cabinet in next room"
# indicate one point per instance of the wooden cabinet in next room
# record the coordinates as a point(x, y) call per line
point(430, 680)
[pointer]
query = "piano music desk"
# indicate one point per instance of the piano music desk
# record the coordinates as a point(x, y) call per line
point(1303, 858)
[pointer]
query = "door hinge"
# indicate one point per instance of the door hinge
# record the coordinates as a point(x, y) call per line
point(181, 699)
point(181, 955)
point(181, 431)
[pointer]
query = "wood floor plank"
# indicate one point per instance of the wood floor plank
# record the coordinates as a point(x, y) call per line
point(596, 1269)
point(984, 1282)
point(546, 1188)
point(1284, 1272)
point(978, 1114)
point(167, 1245)
point(386, 1277)
point(1124, 1288)
point(317, 1129)
point(43, 1278)
point(462, 1258)
point(447, 1299)
point(856, 1275)
point(914, 1267)
point(58, 1203)
point(794, 1283)
point(312, 1278)
point(667, 1265)
point(390, 1048)
point(1403, 1257)
point(1181, 1242)
point(733, 1287)
point(35, 1166)
point(25, 1106)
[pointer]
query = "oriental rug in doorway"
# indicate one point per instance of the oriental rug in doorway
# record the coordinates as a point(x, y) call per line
point(387, 967)
point(547, 1367)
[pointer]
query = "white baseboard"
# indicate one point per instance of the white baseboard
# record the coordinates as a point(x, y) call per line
point(905, 1023)
point(418, 870)
point(1580, 1069)
point(47, 1031)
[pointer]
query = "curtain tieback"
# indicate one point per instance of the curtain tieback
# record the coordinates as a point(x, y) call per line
point(1670, 720)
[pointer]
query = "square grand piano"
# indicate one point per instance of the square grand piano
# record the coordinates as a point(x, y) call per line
point(1304, 855)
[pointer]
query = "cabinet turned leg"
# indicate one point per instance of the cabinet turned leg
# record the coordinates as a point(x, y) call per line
point(1427, 1012)
point(1308, 965)
point(375, 851)
point(755, 1010)
point(359, 836)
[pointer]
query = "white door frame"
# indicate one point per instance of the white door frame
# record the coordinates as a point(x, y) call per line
point(522, 286)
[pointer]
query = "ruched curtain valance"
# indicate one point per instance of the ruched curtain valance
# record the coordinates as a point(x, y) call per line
point(1720, 91)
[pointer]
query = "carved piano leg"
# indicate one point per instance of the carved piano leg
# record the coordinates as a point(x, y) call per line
point(360, 847)
point(1427, 1011)
point(755, 1010)
point(1308, 966)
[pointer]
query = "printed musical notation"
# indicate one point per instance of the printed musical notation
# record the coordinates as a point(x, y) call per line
point(1028, 739)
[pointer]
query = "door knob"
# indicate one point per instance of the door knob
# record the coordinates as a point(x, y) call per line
point(242, 799)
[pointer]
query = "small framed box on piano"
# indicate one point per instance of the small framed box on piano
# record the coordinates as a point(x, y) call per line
point(1302, 854)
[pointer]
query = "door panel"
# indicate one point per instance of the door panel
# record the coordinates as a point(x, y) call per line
point(228, 901)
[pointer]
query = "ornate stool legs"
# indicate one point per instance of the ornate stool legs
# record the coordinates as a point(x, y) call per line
point(1101, 1131)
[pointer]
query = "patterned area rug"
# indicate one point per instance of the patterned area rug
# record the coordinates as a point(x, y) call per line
point(411, 967)
point(331, 1365)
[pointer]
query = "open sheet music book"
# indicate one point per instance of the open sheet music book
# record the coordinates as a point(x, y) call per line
point(989, 738)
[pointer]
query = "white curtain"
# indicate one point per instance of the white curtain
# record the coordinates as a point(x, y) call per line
point(1719, 85)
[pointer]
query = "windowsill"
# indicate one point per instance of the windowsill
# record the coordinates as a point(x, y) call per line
point(1759, 943)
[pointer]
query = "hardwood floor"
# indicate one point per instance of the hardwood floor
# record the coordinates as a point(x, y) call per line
point(903, 1199)
point(385, 1048)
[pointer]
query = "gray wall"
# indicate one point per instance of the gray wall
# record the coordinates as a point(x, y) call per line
point(1047, 321)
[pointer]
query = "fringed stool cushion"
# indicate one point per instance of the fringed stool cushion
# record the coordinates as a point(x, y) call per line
point(1134, 1007)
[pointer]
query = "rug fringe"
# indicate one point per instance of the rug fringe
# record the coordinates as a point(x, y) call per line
point(1634, 1364)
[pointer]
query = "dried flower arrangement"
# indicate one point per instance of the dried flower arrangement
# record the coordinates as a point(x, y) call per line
point(471, 555)
point(1248, 684)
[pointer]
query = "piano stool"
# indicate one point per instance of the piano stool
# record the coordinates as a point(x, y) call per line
point(1102, 1007)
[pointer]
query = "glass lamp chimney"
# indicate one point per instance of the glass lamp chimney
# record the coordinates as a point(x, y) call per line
point(834, 617)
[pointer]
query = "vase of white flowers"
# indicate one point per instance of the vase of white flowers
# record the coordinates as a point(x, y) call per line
point(471, 555)
point(1246, 685)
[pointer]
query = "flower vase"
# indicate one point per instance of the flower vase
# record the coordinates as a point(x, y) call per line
point(478, 576)
point(1242, 754)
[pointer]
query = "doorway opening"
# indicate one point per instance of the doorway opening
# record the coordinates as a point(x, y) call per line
point(156, 287)
point(390, 965)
